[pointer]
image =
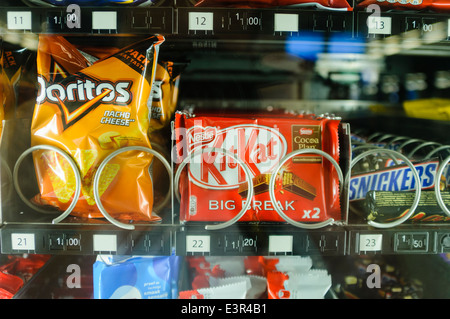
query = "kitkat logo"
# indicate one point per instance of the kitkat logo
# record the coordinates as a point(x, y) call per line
point(259, 147)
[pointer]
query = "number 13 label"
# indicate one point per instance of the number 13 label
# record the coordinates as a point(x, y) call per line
point(201, 21)
point(379, 25)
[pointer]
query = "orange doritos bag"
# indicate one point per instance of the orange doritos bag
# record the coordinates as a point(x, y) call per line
point(89, 112)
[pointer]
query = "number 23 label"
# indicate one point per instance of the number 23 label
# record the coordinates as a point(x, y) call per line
point(370, 242)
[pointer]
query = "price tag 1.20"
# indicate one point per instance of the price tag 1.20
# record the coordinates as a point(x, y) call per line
point(18, 20)
point(379, 25)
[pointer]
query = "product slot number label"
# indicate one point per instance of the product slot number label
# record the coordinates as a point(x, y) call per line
point(448, 28)
point(23, 241)
point(104, 20)
point(18, 20)
point(281, 244)
point(105, 243)
point(198, 244)
point(201, 21)
point(286, 22)
point(379, 25)
point(370, 242)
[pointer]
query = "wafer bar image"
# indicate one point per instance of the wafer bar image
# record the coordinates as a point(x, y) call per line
point(298, 186)
point(260, 185)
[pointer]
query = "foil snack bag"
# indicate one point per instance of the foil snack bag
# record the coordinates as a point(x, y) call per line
point(89, 111)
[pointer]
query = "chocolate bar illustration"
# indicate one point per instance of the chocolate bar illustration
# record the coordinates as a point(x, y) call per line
point(298, 186)
point(290, 182)
point(260, 185)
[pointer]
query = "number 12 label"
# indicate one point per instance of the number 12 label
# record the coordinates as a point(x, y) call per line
point(201, 21)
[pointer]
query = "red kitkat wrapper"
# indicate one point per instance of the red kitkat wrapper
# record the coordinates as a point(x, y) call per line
point(432, 5)
point(213, 186)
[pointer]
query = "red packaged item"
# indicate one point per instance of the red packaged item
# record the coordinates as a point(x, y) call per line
point(432, 5)
point(5, 294)
point(10, 283)
point(341, 5)
point(224, 155)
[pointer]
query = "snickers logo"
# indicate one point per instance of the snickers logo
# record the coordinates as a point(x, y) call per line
point(392, 179)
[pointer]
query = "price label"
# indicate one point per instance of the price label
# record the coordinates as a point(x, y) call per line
point(201, 21)
point(22, 241)
point(370, 242)
point(198, 244)
point(411, 242)
point(105, 243)
point(18, 20)
point(280, 244)
point(286, 22)
point(379, 25)
point(104, 20)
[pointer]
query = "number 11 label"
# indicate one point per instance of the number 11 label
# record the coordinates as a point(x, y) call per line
point(19, 20)
point(201, 21)
point(379, 25)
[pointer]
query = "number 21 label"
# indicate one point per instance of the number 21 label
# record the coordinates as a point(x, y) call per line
point(22, 241)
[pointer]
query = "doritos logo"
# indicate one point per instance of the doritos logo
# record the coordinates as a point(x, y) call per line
point(77, 95)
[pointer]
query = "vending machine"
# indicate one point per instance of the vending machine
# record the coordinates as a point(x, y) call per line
point(225, 150)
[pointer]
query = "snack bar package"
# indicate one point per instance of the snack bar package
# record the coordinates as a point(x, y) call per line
point(313, 284)
point(419, 5)
point(337, 5)
point(136, 277)
point(89, 111)
point(218, 148)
